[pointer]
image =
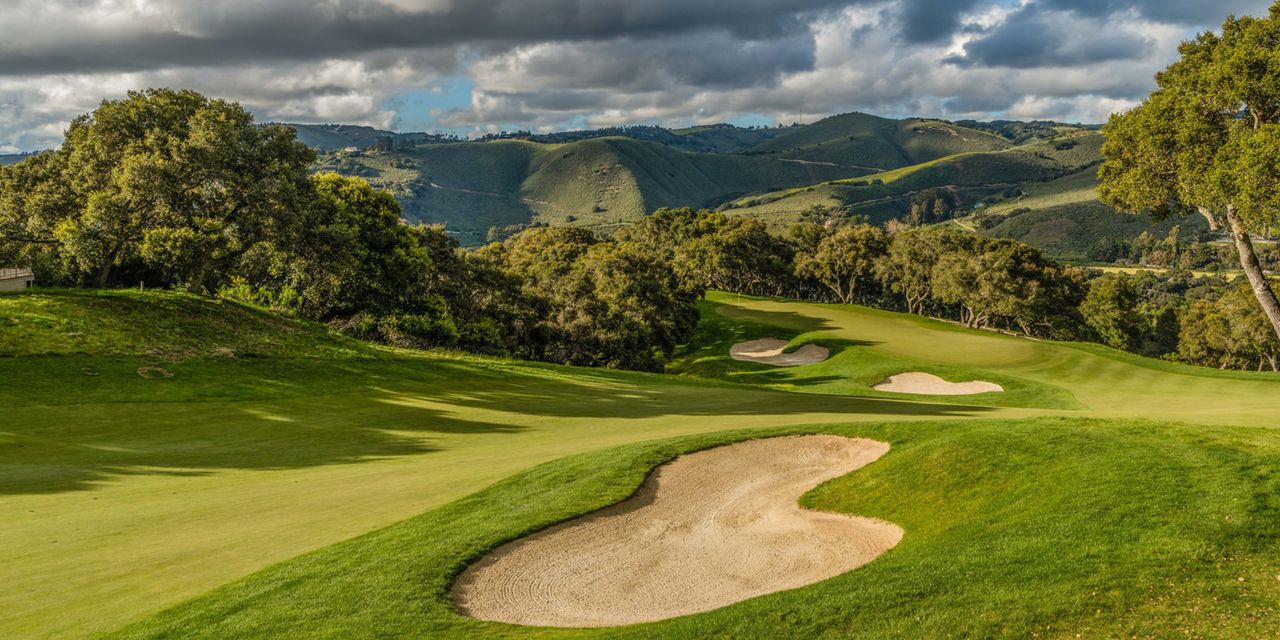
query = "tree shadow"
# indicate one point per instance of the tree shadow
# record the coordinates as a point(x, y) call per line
point(781, 319)
point(361, 411)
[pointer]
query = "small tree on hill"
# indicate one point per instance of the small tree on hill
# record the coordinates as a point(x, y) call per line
point(1208, 139)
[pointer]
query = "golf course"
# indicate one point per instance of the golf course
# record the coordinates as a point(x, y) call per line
point(276, 480)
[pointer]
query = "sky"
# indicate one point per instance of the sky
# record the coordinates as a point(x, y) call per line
point(475, 66)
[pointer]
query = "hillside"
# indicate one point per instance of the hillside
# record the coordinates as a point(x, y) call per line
point(599, 183)
point(12, 158)
point(160, 325)
point(332, 137)
point(1065, 219)
point(970, 179)
point(859, 139)
point(605, 178)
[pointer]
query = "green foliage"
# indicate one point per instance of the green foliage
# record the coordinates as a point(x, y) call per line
point(1111, 311)
point(1208, 139)
point(1229, 332)
point(170, 187)
point(844, 261)
point(598, 303)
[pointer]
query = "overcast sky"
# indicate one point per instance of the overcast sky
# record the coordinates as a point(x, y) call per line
point(471, 66)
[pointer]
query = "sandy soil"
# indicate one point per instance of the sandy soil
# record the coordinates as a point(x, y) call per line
point(929, 384)
point(769, 351)
point(707, 530)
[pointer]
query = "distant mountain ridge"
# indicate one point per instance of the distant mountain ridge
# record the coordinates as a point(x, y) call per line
point(852, 164)
point(849, 165)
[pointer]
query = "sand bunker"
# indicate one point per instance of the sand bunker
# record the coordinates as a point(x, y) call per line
point(769, 351)
point(707, 530)
point(929, 384)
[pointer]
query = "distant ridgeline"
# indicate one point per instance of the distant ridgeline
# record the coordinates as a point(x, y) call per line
point(987, 176)
point(13, 158)
point(1030, 181)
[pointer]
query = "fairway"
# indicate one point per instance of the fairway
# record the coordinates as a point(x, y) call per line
point(122, 497)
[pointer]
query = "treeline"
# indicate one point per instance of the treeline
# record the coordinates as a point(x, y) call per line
point(941, 271)
point(170, 189)
point(980, 282)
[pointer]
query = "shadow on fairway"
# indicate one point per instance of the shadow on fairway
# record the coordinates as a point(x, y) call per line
point(784, 319)
point(372, 410)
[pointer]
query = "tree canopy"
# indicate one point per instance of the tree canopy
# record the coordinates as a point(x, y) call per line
point(1208, 139)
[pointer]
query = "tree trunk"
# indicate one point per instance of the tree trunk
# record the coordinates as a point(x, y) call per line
point(1253, 269)
point(104, 275)
point(1214, 223)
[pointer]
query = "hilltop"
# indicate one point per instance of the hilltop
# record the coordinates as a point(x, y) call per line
point(606, 178)
point(601, 183)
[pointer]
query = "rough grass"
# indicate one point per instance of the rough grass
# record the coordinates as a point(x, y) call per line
point(121, 496)
point(1045, 528)
point(156, 324)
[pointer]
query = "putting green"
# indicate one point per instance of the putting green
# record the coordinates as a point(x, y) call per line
point(121, 496)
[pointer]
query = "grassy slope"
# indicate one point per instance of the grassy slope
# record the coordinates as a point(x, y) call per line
point(972, 175)
point(600, 182)
point(1065, 218)
point(121, 496)
point(858, 139)
point(1045, 528)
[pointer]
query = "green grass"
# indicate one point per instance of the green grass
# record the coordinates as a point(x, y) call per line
point(599, 182)
point(1043, 528)
point(858, 139)
point(231, 482)
point(156, 324)
point(973, 176)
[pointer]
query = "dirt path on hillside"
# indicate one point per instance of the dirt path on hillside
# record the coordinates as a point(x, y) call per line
point(769, 351)
point(928, 384)
point(706, 530)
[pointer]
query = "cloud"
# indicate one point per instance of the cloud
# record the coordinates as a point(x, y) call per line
point(1035, 36)
point(546, 64)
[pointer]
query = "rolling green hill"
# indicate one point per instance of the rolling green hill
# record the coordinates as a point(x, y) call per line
point(972, 178)
point(606, 178)
point(1065, 219)
point(298, 492)
point(858, 139)
point(600, 183)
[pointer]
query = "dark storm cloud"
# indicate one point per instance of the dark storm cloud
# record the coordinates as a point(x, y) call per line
point(182, 33)
point(933, 20)
point(1036, 36)
point(557, 63)
point(1196, 13)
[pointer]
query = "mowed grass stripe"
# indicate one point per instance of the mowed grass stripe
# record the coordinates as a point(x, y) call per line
point(1046, 528)
point(120, 496)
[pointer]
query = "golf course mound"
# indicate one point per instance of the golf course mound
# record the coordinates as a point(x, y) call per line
point(707, 530)
point(770, 351)
point(920, 383)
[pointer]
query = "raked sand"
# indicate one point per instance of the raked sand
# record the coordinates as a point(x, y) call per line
point(769, 351)
point(929, 384)
point(706, 530)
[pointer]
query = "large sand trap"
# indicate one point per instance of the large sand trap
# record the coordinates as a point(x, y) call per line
point(707, 530)
point(769, 351)
point(929, 384)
